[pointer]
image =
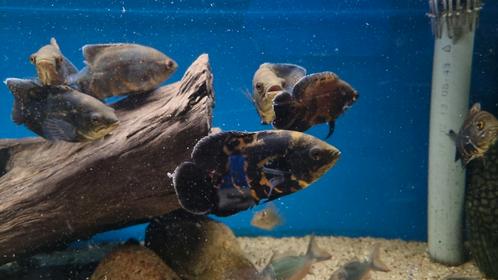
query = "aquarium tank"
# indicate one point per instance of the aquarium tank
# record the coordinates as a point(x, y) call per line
point(248, 139)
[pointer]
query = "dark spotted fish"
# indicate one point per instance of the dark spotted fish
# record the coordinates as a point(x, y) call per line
point(60, 112)
point(233, 171)
point(477, 146)
point(316, 98)
point(122, 69)
point(291, 267)
point(270, 80)
point(360, 270)
point(477, 133)
point(52, 66)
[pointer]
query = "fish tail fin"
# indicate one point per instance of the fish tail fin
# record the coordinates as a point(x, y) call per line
point(375, 262)
point(316, 253)
point(193, 189)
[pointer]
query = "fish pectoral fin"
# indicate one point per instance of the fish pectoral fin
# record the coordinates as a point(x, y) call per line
point(91, 51)
point(453, 135)
point(193, 189)
point(57, 129)
point(274, 182)
point(231, 201)
point(273, 171)
point(331, 129)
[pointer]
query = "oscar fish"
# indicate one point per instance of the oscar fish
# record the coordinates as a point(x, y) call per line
point(291, 267)
point(60, 112)
point(360, 270)
point(315, 99)
point(52, 67)
point(122, 69)
point(270, 80)
point(232, 171)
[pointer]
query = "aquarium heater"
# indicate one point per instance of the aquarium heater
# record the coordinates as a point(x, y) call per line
point(453, 24)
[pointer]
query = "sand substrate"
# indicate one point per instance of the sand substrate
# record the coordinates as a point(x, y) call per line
point(407, 260)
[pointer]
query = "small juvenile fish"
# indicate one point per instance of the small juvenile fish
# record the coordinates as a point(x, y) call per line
point(233, 171)
point(295, 267)
point(267, 218)
point(316, 98)
point(52, 66)
point(122, 69)
point(60, 112)
point(270, 80)
point(360, 270)
point(477, 134)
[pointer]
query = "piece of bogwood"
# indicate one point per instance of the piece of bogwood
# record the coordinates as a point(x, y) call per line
point(55, 192)
point(198, 248)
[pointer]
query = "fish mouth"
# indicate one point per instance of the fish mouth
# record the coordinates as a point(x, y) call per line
point(170, 64)
point(334, 155)
point(47, 72)
point(98, 133)
point(274, 88)
point(355, 97)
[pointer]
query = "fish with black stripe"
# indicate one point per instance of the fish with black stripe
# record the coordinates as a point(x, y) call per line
point(233, 171)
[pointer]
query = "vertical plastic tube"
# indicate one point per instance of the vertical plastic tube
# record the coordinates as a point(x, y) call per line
point(449, 105)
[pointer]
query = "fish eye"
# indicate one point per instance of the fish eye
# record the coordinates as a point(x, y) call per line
point(32, 58)
point(259, 87)
point(94, 118)
point(480, 125)
point(316, 153)
point(58, 59)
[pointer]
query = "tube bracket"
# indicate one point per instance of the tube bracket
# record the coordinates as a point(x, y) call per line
point(459, 16)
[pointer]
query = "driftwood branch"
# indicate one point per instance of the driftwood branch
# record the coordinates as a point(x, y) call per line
point(55, 192)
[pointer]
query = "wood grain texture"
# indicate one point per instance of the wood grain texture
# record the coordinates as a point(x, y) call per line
point(55, 192)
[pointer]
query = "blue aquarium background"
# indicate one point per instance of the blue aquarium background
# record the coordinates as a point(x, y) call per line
point(383, 48)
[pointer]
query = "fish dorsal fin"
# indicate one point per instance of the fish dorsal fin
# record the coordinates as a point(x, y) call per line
point(476, 108)
point(316, 253)
point(23, 89)
point(53, 42)
point(314, 83)
point(91, 51)
point(291, 73)
point(375, 262)
point(281, 255)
